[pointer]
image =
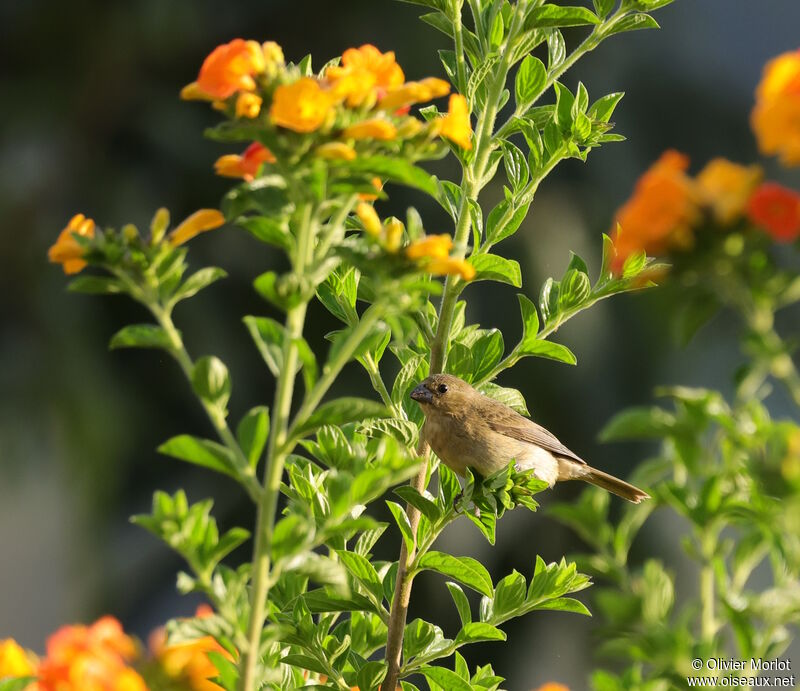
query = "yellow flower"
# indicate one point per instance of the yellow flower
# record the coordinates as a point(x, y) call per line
point(273, 57)
point(393, 235)
point(410, 93)
point(430, 246)
point(456, 126)
point(302, 106)
point(199, 222)
point(776, 116)
point(14, 661)
point(375, 128)
point(369, 219)
point(66, 250)
point(336, 151)
point(725, 188)
point(451, 267)
point(364, 73)
point(248, 105)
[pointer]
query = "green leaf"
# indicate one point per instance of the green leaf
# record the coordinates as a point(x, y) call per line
point(196, 282)
point(16, 683)
point(551, 351)
point(273, 231)
point(503, 222)
point(252, 433)
point(340, 412)
point(530, 80)
point(371, 675)
point(564, 604)
point(202, 452)
point(445, 678)
point(603, 7)
point(510, 397)
point(603, 108)
point(284, 292)
point(401, 519)
point(466, 570)
point(267, 334)
point(404, 431)
point(551, 16)
point(491, 267)
point(574, 290)
point(418, 637)
point(639, 423)
point(633, 22)
point(427, 506)
point(211, 380)
point(509, 595)
point(461, 602)
point(479, 631)
point(95, 285)
point(326, 600)
point(141, 336)
point(394, 169)
point(361, 568)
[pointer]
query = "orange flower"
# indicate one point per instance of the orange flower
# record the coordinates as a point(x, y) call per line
point(376, 128)
point(66, 250)
point(246, 165)
point(660, 214)
point(776, 210)
point(451, 267)
point(14, 661)
point(248, 105)
point(408, 94)
point(552, 686)
point(725, 188)
point(336, 151)
point(378, 185)
point(199, 222)
point(90, 658)
point(455, 126)
point(364, 73)
point(302, 106)
point(776, 116)
point(188, 662)
point(430, 246)
point(228, 69)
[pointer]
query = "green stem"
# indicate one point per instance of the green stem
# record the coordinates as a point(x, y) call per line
point(473, 180)
point(273, 471)
point(708, 625)
point(380, 387)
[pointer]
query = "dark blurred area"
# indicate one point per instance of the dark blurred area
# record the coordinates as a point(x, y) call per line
point(91, 122)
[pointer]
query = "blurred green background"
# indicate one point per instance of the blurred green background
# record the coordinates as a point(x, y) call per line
point(91, 122)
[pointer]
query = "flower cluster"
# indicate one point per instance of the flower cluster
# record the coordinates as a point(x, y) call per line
point(80, 242)
point(101, 657)
point(358, 106)
point(776, 115)
point(430, 253)
point(669, 207)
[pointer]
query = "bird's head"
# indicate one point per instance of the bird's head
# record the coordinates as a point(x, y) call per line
point(443, 392)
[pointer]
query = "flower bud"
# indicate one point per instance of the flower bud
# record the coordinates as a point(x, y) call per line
point(159, 225)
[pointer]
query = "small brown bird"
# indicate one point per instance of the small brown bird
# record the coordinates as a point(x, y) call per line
point(469, 430)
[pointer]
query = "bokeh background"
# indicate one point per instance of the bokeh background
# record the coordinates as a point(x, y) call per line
point(91, 122)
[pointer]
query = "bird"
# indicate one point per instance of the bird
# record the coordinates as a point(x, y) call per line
point(469, 430)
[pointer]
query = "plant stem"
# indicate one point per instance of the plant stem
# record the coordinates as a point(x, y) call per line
point(472, 183)
point(273, 470)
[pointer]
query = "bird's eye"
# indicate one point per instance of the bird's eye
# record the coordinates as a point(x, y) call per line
point(442, 388)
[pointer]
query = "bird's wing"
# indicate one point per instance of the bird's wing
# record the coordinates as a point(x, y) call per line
point(508, 422)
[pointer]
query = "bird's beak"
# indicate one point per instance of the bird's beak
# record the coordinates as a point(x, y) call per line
point(422, 394)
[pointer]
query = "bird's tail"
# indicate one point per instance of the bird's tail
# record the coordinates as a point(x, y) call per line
point(614, 485)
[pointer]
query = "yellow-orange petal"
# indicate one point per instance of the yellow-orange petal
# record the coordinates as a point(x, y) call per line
point(248, 105)
point(246, 165)
point(410, 93)
point(230, 68)
point(14, 661)
point(302, 106)
point(393, 235)
point(193, 92)
point(455, 125)
point(451, 267)
point(724, 187)
point(433, 246)
point(336, 151)
point(66, 250)
point(375, 128)
point(552, 686)
point(199, 222)
point(369, 219)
